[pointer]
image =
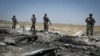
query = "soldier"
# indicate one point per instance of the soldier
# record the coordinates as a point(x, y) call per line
point(46, 20)
point(33, 19)
point(14, 20)
point(90, 23)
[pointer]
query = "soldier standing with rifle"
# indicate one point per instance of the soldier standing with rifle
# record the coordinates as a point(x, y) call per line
point(14, 20)
point(46, 20)
point(33, 19)
point(90, 23)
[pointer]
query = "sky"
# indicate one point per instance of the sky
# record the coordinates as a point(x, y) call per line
point(59, 11)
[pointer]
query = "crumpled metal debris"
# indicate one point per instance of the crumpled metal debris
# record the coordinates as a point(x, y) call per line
point(69, 45)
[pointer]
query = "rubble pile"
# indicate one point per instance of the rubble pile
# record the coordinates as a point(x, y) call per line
point(16, 42)
point(47, 37)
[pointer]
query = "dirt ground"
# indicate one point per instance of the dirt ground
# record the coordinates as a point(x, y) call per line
point(69, 29)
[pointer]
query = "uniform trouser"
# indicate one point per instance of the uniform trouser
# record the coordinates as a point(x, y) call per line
point(33, 27)
point(14, 26)
point(46, 27)
point(89, 30)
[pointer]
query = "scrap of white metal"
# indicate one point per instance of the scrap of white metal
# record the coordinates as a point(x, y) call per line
point(38, 51)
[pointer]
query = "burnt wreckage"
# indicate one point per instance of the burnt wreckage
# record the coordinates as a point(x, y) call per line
point(16, 42)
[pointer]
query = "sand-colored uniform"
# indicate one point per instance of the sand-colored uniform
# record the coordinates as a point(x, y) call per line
point(14, 22)
point(90, 23)
point(46, 25)
point(33, 23)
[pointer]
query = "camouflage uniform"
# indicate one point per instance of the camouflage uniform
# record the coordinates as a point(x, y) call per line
point(46, 20)
point(33, 19)
point(90, 23)
point(14, 20)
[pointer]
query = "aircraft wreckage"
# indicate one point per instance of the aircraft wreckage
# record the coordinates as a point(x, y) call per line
point(18, 42)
